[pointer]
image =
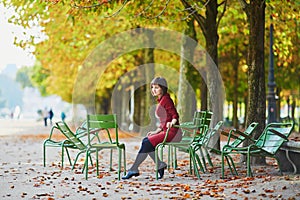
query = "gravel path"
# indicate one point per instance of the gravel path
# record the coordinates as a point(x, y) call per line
point(22, 175)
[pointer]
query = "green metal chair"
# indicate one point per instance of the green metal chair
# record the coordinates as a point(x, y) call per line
point(76, 139)
point(204, 144)
point(109, 126)
point(192, 131)
point(201, 119)
point(267, 145)
point(51, 142)
point(72, 140)
point(234, 139)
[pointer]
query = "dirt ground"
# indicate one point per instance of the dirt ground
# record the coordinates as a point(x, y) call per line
point(22, 175)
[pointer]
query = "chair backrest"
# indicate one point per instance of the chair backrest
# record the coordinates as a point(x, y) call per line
point(81, 130)
point(273, 136)
point(106, 122)
point(210, 133)
point(70, 135)
point(240, 139)
point(202, 119)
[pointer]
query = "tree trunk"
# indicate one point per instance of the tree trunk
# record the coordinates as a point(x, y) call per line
point(203, 95)
point(216, 99)
point(235, 88)
point(139, 107)
point(246, 109)
point(215, 103)
point(186, 96)
point(256, 72)
point(209, 28)
point(147, 122)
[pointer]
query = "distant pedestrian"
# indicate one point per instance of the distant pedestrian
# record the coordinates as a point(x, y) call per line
point(45, 116)
point(51, 114)
point(63, 116)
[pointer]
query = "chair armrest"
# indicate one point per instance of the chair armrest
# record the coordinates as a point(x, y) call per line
point(166, 136)
point(279, 134)
point(94, 131)
point(84, 132)
point(52, 132)
point(186, 123)
point(248, 137)
point(241, 133)
point(186, 126)
point(228, 134)
point(235, 134)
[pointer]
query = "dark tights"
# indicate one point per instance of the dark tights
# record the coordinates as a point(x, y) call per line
point(145, 150)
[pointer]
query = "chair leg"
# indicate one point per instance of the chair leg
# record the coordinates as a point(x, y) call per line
point(249, 171)
point(196, 148)
point(68, 154)
point(156, 161)
point(91, 159)
point(119, 163)
point(175, 165)
point(199, 162)
point(110, 160)
point(222, 164)
point(208, 157)
point(194, 163)
point(170, 155)
point(44, 152)
point(97, 162)
point(89, 156)
point(172, 159)
point(231, 165)
point(157, 149)
point(86, 164)
point(62, 156)
point(203, 159)
point(75, 161)
point(162, 153)
point(124, 157)
point(191, 161)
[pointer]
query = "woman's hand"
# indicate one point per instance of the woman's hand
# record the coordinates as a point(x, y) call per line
point(151, 133)
point(172, 123)
point(158, 130)
point(169, 124)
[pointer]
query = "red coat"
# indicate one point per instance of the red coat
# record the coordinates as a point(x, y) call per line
point(166, 111)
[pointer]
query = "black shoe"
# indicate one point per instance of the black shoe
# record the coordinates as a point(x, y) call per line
point(161, 169)
point(131, 174)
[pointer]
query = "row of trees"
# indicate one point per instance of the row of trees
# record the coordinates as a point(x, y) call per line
point(234, 34)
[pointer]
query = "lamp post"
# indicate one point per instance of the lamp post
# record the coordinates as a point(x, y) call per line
point(271, 82)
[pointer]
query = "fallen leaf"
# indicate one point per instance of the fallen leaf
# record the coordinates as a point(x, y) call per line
point(247, 191)
point(186, 195)
point(105, 194)
point(269, 191)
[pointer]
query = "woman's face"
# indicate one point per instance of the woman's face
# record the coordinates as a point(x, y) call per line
point(156, 90)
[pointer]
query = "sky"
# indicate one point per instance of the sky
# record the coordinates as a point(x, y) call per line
point(9, 53)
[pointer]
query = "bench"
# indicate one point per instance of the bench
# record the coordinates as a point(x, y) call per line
point(289, 155)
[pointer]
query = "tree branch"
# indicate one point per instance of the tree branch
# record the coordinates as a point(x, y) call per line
point(223, 12)
point(149, 6)
point(243, 4)
point(192, 11)
point(263, 3)
point(74, 5)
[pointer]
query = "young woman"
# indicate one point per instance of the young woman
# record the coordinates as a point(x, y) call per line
point(168, 116)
